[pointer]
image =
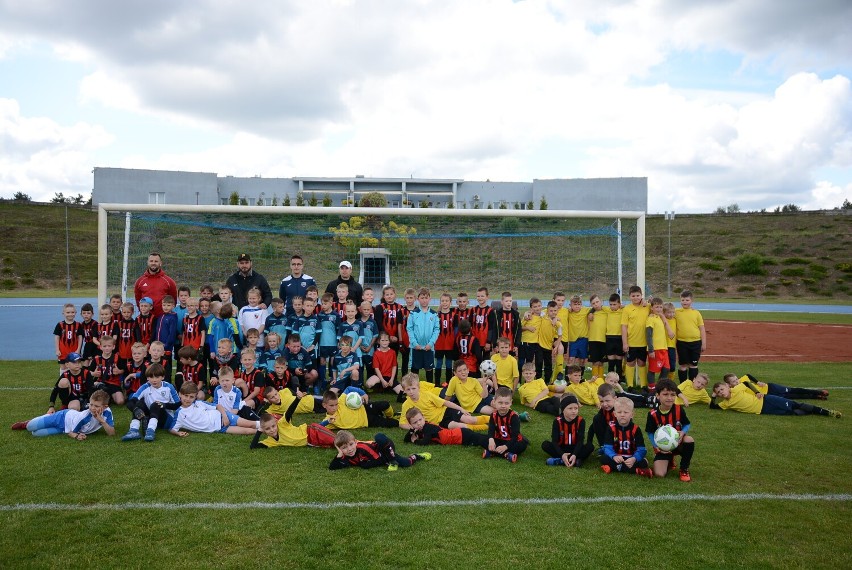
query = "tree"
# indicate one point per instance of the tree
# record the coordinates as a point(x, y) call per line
point(274, 200)
point(300, 198)
point(517, 205)
point(542, 204)
point(730, 209)
point(234, 198)
point(312, 201)
point(502, 205)
point(424, 204)
point(78, 200)
point(58, 198)
point(451, 205)
point(326, 200)
point(788, 208)
point(286, 201)
point(373, 200)
point(259, 201)
point(847, 205)
point(243, 201)
point(21, 197)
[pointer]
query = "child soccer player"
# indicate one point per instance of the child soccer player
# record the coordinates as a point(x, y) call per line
point(107, 370)
point(436, 409)
point(445, 341)
point(388, 316)
point(165, 331)
point(76, 424)
point(89, 327)
point(206, 292)
point(507, 366)
point(656, 332)
point(504, 429)
point(280, 378)
point(222, 327)
point(604, 420)
point(691, 337)
point(197, 416)
point(280, 432)
point(468, 392)
point(771, 389)
point(136, 367)
point(508, 322)
point(73, 386)
point(535, 394)
point(345, 367)
point(597, 336)
point(230, 397)
point(423, 328)
point(633, 338)
point(144, 321)
point(530, 323)
point(410, 298)
point(468, 348)
point(224, 357)
point(425, 433)
point(369, 337)
point(300, 363)
point(350, 326)
point(251, 379)
point(462, 309)
point(342, 292)
point(368, 454)
point(67, 335)
point(328, 322)
point(566, 446)
point(745, 401)
point(149, 404)
point(586, 392)
point(624, 447)
point(272, 351)
point(276, 321)
point(671, 339)
point(639, 400)
point(253, 316)
point(384, 368)
point(126, 328)
point(157, 355)
point(484, 323)
point(115, 302)
point(694, 391)
point(578, 332)
point(106, 326)
point(370, 414)
point(191, 369)
point(669, 413)
point(549, 343)
point(193, 331)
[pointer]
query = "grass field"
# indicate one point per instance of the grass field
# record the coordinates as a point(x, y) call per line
point(766, 492)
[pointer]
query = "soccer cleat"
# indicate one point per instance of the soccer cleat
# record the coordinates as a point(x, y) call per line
point(486, 454)
point(554, 461)
point(606, 469)
point(393, 467)
point(645, 472)
point(835, 414)
point(684, 476)
point(19, 425)
point(512, 457)
point(131, 435)
point(524, 416)
point(424, 456)
point(149, 434)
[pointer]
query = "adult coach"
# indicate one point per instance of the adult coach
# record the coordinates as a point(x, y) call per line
point(154, 283)
point(295, 284)
point(356, 292)
point(244, 279)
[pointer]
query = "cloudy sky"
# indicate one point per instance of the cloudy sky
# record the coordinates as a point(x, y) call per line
point(716, 102)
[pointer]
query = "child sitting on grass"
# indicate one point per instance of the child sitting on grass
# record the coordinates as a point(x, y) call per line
point(368, 454)
point(566, 446)
point(206, 418)
point(504, 429)
point(624, 447)
point(422, 432)
point(669, 413)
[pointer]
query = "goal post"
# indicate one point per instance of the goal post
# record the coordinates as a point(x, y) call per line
point(527, 252)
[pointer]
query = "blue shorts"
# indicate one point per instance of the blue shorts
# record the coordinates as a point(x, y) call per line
point(422, 359)
point(232, 421)
point(579, 348)
point(341, 384)
point(777, 406)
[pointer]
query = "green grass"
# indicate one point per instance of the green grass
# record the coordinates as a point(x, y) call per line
point(735, 453)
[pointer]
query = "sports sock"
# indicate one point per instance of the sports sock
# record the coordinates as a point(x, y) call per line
point(610, 365)
point(482, 420)
point(430, 375)
point(630, 374)
point(134, 424)
point(693, 372)
point(643, 375)
point(64, 394)
point(682, 374)
point(686, 451)
point(152, 423)
point(477, 427)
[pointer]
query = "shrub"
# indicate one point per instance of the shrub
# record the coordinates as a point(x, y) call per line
point(793, 272)
point(770, 294)
point(710, 266)
point(795, 261)
point(748, 264)
point(745, 288)
point(818, 270)
point(721, 290)
point(509, 225)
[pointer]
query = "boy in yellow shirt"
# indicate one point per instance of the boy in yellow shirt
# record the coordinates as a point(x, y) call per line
point(741, 399)
point(694, 391)
point(597, 336)
point(657, 331)
point(614, 344)
point(549, 343)
point(633, 340)
point(507, 366)
point(586, 392)
point(535, 394)
point(691, 337)
point(435, 409)
point(468, 392)
point(530, 323)
point(578, 332)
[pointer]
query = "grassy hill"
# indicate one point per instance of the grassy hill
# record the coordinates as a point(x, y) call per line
point(802, 255)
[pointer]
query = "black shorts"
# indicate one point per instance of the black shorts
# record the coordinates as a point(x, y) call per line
point(667, 455)
point(450, 415)
point(688, 353)
point(486, 401)
point(637, 353)
point(422, 360)
point(110, 388)
point(614, 346)
point(597, 351)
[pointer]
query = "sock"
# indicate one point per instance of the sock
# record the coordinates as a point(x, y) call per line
point(693, 372)
point(257, 425)
point(682, 374)
point(152, 423)
point(64, 394)
point(619, 367)
point(630, 373)
point(651, 379)
point(437, 376)
point(477, 427)
point(430, 376)
point(686, 451)
point(671, 375)
point(610, 365)
point(482, 420)
point(134, 424)
point(388, 412)
point(643, 375)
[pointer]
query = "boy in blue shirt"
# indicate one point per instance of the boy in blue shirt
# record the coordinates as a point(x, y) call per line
point(423, 328)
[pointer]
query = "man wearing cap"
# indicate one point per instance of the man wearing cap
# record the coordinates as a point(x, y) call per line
point(244, 279)
point(356, 292)
point(295, 284)
point(154, 284)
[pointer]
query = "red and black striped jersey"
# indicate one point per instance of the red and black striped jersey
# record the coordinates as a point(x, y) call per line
point(505, 428)
point(255, 378)
point(111, 369)
point(366, 455)
point(195, 373)
point(193, 331)
point(484, 325)
point(509, 326)
point(466, 314)
point(568, 434)
point(126, 337)
point(446, 331)
point(280, 383)
point(338, 308)
point(135, 375)
point(81, 384)
point(468, 349)
point(116, 316)
point(144, 328)
point(675, 417)
point(388, 317)
point(404, 312)
point(89, 330)
point(69, 335)
point(110, 329)
point(625, 440)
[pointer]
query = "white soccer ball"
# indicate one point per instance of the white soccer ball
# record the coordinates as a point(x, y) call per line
point(667, 438)
point(560, 382)
point(488, 368)
point(353, 400)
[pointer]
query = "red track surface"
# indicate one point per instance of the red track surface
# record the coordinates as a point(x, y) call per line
point(774, 342)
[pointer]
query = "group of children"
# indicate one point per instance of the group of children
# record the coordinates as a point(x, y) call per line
point(249, 371)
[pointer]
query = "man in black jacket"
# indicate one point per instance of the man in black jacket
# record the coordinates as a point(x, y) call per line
point(244, 279)
point(356, 292)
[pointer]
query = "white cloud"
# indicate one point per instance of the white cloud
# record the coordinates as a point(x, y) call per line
point(826, 196)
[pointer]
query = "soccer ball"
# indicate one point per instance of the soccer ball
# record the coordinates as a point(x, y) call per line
point(488, 368)
point(560, 382)
point(666, 438)
point(353, 400)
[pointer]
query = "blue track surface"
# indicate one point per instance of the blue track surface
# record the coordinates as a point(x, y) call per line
point(27, 324)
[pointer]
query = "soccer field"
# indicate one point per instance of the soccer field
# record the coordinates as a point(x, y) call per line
point(766, 491)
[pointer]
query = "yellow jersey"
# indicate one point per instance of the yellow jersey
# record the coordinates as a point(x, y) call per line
point(634, 317)
point(547, 333)
point(741, 401)
point(530, 390)
point(430, 405)
point(563, 315)
point(468, 393)
point(531, 337)
point(578, 324)
point(597, 327)
point(658, 332)
point(613, 321)
point(692, 394)
point(689, 323)
point(671, 341)
point(288, 435)
point(586, 393)
point(305, 405)
point(347, 418)
point(507, 370)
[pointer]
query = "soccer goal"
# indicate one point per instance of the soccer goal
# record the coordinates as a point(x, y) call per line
point(527, 252)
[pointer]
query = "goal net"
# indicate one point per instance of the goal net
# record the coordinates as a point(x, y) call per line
point(527, 252)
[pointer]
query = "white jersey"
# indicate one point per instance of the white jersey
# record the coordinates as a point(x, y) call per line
point(252, 318)
point(165, 394)
point(232, 400)
point(200, 417)
point(84, 422)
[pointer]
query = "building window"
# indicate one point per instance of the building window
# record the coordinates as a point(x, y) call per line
point(394, 204)
point(156, 197)
point(223, 201)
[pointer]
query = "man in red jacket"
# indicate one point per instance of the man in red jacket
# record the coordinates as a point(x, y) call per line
point(154, 283)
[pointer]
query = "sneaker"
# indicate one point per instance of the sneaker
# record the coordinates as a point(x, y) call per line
point(486, 454)
point(524, 416)
point(149, 434)
point(684, 476)
point(424, 456)
point(554, 461)
point(606, 469)
point(512, 457)
point(645, 472)
point(131, 435)
point(19, 425)
point(835, 414)
point(393, 467)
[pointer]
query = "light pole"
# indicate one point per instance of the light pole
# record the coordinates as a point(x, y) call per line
point(670, 216)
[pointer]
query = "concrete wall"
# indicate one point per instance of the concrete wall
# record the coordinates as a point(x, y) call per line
point(131, 186)
point(629, 194)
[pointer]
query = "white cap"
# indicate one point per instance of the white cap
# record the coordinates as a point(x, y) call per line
point(345, 264)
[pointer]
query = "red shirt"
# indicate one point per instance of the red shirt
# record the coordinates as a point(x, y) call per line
point(156, 286)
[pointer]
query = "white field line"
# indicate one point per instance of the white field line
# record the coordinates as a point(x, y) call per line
point(316, 506)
